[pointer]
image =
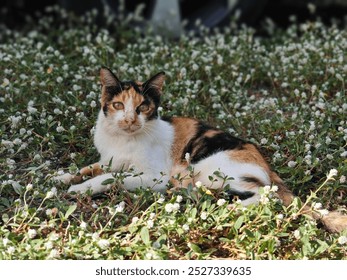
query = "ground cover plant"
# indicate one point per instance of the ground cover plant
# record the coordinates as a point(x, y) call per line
point(285, 92)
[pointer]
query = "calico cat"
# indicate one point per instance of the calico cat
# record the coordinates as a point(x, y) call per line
point(129, 134)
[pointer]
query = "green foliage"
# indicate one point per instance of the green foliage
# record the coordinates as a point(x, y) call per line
point(286, 93)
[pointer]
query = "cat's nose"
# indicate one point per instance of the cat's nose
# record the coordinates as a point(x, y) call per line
point(130, 121)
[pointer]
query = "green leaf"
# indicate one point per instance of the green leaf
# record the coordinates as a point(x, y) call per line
point(69, 211)
point(193, 213)
point(5, 218)
point(195, 248)
point(108, 181)
point(323, 246)
point(239, 222)
point(17, 187)
point(145, 235)
point(249, 233)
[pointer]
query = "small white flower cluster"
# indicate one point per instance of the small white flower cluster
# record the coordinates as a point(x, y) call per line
point(267, 193)
point(174, 207)
point(342, 240)
point(103, 244)
point(317, 206)
point(203, 215)
point(50, 194)
point(150, 222)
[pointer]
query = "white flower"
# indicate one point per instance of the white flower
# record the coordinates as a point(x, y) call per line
point(54, 236)
point(179, 198)
point(267, 189)
point(5, 241)
point(60, 129)
point(32, 110)
point(53, 254)
point(203, 215)
point(317, 205)
point(264, 199)
point(152, 216)
point(93, 104)
point(291, 164)
point(280, 216)
point(149, 255)
point(176, 207)
point(11, 250)
point(150, 224)
point(169, 207)
point(57, 111)
point(343, 179)
point(5, 83)
point(312, 9)
point(32, 233)
point(221, 202)
point(29, 187)
point(95, 236)
point(342, 240)
point(297, 234)
point(103, 244)
point(134, 220)
point(120, 207)
point(161, 200)
point(263, 141)
point(185, 227)
point(83, 225)
point(48, 245)
point(198, 184)
point(51, 193)
point(187, 157)
point(332, 173)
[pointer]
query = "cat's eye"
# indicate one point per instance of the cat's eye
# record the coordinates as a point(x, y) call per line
point(143, 107)
point(118, 105)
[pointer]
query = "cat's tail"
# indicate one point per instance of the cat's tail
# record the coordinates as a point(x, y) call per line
point(334, 221)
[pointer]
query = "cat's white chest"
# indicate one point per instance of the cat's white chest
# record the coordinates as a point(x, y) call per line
point(148, 151)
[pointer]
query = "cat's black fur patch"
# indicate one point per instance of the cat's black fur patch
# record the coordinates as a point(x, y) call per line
point(112, 91)
point(152, 94)
point(232, 194)
point(254, 180)
point(202, 146)
point(166, 119)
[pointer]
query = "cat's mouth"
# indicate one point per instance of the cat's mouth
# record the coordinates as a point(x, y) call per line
point(132, 129)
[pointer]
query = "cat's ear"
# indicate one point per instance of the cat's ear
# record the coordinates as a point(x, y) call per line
point(155, 83)
point(107, 78)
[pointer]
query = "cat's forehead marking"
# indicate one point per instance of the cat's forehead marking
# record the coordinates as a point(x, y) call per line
point(132, 85)
point(128, 94)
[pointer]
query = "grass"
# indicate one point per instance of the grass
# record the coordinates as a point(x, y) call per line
point(285, 92)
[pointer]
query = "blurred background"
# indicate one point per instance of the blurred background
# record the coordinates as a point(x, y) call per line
point(168, 15)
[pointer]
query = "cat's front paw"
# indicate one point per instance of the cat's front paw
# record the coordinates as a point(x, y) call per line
point(80, 188)
point(65, 178)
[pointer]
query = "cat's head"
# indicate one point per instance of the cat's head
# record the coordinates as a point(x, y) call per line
point(129, 105)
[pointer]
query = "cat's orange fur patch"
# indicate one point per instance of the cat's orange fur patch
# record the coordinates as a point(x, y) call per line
point(249, 154)
point(185, 128)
